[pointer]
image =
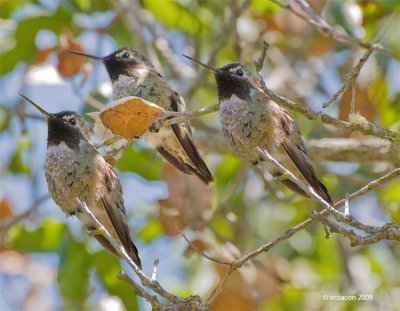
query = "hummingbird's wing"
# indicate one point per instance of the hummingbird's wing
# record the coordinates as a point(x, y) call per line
point(293, 145)
point(182, 133)
point(112, 201)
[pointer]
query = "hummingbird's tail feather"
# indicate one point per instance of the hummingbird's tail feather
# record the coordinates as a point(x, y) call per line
point(196, 165)
point(121, 229)
point(300, 159)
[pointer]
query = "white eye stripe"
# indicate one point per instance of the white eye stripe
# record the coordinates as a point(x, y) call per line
point(72, 116)
point(235, 69)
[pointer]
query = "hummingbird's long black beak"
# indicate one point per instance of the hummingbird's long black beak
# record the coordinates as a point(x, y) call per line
point(46, 114)
point(101, 59)
point(202, 64)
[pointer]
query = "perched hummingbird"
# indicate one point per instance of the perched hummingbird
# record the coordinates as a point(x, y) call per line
point(252, 122)
point(78, 175)
point(132, 74)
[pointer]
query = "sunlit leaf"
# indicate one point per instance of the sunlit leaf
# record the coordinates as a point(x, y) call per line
point(46, 238)
point(17, 165)
point(73, 272)
point(173, 15)
point(142, 162)
point(25, 37)
point(151, 230)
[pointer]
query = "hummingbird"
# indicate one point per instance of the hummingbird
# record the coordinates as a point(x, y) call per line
point(132, 74)
point(78, 175)
point(252, 122)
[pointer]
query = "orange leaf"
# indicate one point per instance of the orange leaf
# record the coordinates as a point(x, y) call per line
point(69, 64)
point(128, 117)
point(42, 56)
point(5, 209)
point(196, 246)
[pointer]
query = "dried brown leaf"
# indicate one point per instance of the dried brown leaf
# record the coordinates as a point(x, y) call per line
point(189, 201)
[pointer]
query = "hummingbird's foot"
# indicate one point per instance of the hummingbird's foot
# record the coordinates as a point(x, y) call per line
point(155, 127)
point(110, 141)
point(94, 232)
point(281, 177)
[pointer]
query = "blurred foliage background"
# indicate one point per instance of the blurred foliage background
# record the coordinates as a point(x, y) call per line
point(48, 262)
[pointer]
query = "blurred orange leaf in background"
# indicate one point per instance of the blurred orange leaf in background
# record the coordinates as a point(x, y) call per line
point(189, 201)
point(68, 64)
point(5, 209)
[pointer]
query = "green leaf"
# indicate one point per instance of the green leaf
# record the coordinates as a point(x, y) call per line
point(17, 164)
point(24, 49)
point(389, 196)
point(223, 227)
point(5, 118)
point(107, 269)
point(226, 172)
point(173, 15)
point(142, 162)
point(73, 272)
point(45, 238)
point(151, 230)
point(7, 7)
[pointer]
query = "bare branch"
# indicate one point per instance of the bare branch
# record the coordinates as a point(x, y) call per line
point(177, 303)
point(322, 26)
point(292, 231)
point(260, 62)
point(7, 223)
point(366, 127)
point(139, 291)
point(221, 262)
point(350, 79)
point(389, 231)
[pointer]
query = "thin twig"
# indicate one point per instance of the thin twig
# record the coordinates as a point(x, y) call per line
point(350, 79)
point(146, 281)
point(7, 223)
point(321, 25)
point(152, 299)
point(366, 127)
point(292, 231)
point(221, 262)
point(389, 231)
point(260, 62)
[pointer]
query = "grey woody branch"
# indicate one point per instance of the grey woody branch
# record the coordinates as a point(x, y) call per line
point(310, 16)
point(388, 231)
point(175, 302)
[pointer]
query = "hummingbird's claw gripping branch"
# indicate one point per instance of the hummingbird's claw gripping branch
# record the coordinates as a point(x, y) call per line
point(281, 177)
point(172, 117)
point(95, 232)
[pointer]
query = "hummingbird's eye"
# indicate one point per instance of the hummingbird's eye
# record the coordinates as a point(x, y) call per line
point(239, 72)
point(126, 55)
point(72, 121)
